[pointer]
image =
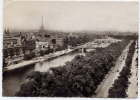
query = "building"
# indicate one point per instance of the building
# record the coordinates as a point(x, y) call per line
point(45, 38)
point(41, 45)
point(12, 49)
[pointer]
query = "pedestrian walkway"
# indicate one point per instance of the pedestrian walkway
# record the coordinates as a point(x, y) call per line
point(103, 88)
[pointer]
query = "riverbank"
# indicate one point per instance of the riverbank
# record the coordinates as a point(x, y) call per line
point(97, 43)
point(71, 80)
point(13, 79)
point(37, 59)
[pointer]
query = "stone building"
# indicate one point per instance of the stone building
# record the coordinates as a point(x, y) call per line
point(12, 48)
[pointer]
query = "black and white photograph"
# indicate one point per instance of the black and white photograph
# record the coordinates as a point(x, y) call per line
point(84, 49)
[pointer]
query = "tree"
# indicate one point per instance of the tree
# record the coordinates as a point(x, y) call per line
point(65, 42)
point(54, 43)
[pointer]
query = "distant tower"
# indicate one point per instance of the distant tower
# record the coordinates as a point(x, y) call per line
point(42, 29)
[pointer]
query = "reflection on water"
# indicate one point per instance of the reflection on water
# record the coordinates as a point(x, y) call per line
point(44, 66)
point(12, 80)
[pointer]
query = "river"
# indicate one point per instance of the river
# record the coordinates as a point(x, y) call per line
point(12, 80)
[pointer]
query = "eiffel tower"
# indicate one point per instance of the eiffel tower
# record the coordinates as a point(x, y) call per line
point(42, 29)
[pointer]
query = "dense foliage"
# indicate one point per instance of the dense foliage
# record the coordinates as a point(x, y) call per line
point(78, 39)
point(121, 84)
point(78, 78)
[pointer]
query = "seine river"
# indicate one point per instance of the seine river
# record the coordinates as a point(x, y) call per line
point(12, 80)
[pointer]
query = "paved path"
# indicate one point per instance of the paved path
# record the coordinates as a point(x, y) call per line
point(133, 87)
point(103, 88)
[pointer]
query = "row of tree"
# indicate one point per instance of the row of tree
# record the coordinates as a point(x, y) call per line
point(118, 90)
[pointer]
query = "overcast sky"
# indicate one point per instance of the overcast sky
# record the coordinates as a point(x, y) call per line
point(72, 16)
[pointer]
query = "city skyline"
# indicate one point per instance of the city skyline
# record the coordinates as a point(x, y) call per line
point(72, 16)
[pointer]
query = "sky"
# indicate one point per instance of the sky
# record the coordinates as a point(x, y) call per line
point(72, 16)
